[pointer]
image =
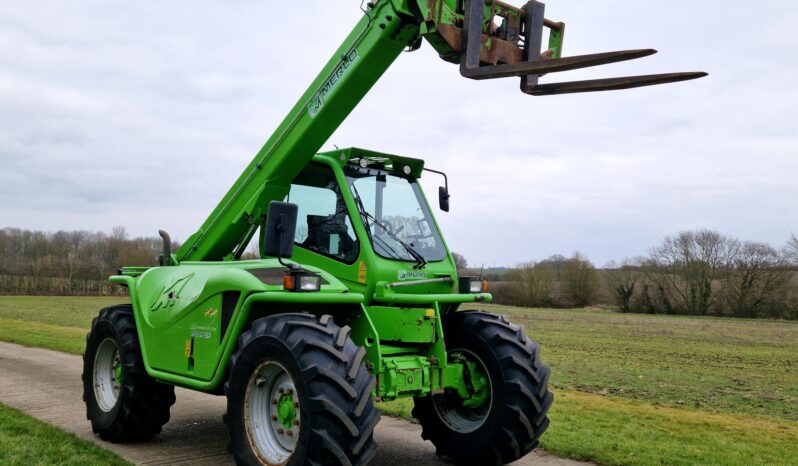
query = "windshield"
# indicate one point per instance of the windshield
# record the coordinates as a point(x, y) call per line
point(396, 213)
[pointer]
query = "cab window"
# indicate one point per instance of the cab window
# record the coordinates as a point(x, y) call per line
point(323, 225)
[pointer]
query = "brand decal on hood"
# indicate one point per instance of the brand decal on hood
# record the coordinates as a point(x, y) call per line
point(412, 275)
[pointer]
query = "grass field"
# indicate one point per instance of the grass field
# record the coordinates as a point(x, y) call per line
point(630, 389)
point(45, 445)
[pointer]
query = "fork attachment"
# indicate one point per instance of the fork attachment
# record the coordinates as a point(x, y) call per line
point(489, 54)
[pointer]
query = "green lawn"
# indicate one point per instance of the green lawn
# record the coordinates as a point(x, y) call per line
point(24, 441)
point(58, 323)
point(64, 311)
point(721, 365)
point(630, 389)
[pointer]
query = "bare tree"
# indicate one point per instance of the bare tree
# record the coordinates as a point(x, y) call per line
point(119, 233)
point(460, 261)
point(531, 284)
point(556, 263)
point(686, 266)
point(622, 280)
point(757, 278)
point(579, 280)
point(791, 249)
point(252, 253)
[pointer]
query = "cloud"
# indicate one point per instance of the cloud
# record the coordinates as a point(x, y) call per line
point(142, 114)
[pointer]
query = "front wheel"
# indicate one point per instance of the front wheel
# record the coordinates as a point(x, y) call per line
point(123, 402)
point(506, 414)
point(299, 393)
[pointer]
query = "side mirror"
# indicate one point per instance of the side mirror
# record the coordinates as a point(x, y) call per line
point(443, 198)
point(443, 191)
point(278, 233)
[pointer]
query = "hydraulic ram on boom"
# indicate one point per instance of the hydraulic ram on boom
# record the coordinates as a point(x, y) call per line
point(461, 32)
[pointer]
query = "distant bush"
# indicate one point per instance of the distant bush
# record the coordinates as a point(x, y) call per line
point(554, 282)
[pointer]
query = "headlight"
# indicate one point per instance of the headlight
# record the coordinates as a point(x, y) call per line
point(470, 285)
point(302, 282)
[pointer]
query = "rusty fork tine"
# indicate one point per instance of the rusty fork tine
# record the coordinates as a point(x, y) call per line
point(612, 84)
point(553, 65)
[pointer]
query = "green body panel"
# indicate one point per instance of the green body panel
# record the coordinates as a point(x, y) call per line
point(404, 325)
point(179, 314)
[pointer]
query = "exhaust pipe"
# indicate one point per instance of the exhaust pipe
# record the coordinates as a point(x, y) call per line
point(166, 256)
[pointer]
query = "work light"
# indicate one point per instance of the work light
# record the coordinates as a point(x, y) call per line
point(469, 285)
point(302, 282)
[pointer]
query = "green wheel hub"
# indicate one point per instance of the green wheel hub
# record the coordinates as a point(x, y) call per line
point(466, 410)
point(118, 371)
point(286, 410)
point(477, 383)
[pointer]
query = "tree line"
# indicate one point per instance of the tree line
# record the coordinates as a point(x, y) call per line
point(69, 262)
point(698, 273)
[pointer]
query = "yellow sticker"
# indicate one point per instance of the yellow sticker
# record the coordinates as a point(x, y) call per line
point(211, 312)
point(187, 351)
point(361, 273)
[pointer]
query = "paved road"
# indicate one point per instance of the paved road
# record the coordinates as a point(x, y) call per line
point(46, 384)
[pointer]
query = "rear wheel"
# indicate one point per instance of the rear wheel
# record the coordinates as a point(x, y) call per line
point(506, 414)
point(123, 403)
point(299, 393)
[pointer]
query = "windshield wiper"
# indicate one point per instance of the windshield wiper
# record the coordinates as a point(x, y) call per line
point(420, 261)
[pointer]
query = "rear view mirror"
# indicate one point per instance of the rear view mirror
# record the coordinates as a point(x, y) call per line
point(443, 198)
point(278, 233)
point(443, 191)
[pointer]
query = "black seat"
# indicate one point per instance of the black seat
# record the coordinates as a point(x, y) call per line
point(321, 228)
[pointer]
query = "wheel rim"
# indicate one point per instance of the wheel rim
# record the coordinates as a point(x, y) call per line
point(272, 413)
point(107, 374)
point(453, 411)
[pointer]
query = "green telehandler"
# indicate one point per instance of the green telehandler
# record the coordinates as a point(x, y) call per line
point(355, 298)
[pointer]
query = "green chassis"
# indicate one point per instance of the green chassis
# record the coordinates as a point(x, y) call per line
point(189, 316)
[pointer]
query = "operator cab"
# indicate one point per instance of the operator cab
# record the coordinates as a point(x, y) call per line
point(359, 207)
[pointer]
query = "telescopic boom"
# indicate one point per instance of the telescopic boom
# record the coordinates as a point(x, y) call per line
point(488, 39)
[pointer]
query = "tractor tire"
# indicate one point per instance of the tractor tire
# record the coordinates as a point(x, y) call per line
point(299, 393)
point(123, 403)
point(509, 424)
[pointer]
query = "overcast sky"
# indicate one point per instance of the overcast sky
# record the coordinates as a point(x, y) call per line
point(143, 113)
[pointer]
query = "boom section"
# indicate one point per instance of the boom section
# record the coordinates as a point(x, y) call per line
point(488, 38)
point(368, 51)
